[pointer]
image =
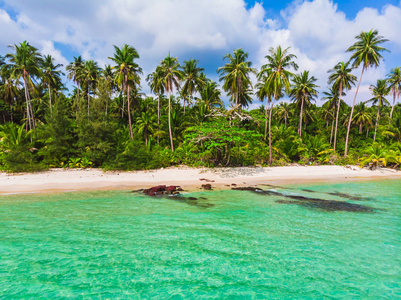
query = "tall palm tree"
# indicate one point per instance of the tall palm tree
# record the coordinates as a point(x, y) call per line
point(394, 79)
point(89, 74)
point(379, 91)
point(366, 52)
point(74, 70)
point(235, 74)
point(277, 78)
point(283, 112)
point(25, 63)
point(170, 69)
point(127, 73)
point(302, 92)
point(192, 79)
point(341, 78)
point(51, 76)
point(155, 81)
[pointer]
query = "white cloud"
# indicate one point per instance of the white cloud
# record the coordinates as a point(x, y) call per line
point(317, 32)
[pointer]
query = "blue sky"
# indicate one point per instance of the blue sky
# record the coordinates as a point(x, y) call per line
point(317, 31)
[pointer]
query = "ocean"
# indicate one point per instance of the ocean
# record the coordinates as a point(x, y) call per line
point(326, 240)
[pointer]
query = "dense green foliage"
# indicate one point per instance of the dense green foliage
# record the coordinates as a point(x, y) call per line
point(106, 122)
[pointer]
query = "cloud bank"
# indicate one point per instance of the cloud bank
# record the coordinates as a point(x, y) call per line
point(317, 32)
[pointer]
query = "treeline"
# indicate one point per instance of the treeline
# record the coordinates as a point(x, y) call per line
point(107, 122)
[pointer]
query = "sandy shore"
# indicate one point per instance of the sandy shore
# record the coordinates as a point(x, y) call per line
point(187, 178)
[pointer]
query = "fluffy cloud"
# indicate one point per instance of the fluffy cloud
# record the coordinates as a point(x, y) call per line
point(315, 30)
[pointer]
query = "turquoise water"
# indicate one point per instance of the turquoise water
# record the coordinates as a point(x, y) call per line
point(232, 244)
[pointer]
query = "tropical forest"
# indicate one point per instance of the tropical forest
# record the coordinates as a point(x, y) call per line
point(105, 120)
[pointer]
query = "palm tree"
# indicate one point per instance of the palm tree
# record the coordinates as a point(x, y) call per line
point(366, 52)
point(210, 96)
point(303, 91)
point(25, 63)
point(277, 77)
point(342, 79)
point(127, 73)
point(9, 88)
point(362, 116)
point(171, 78)
point(235, 75)
point(283, 112)
point(332, 97)
point(192, 79)
point(379, 91)
point(155, 81)
point(394, 79)
point(51, 76)
point(89, 74)
point(146, 124)
point(74, 70)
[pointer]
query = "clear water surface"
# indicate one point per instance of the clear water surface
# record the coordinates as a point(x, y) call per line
point(229, 244)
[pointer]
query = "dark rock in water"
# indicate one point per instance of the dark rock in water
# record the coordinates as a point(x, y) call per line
point(246, 188)
point(348, 196)
point(179, 189)
point(233, 184)
point(309, 191)
point(207, 186)
point(192, 198)
point(161, 190)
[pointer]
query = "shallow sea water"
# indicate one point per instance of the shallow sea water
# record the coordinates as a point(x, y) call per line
point(232, 244)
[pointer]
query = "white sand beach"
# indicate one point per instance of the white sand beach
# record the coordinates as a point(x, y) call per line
point(188, 178)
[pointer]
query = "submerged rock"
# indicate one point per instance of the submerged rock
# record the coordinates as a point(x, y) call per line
point(246, 188)
point(162, 190)
point(207, 186)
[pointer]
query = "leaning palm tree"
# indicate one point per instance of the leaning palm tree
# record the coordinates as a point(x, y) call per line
point(342, 79)
point(277, 78)
point(25, 63)
point(127, 73)
point(379, 91)
point(89, 75)
point(394, 79)
point(235, 74)
point(51, 76)
point(192, 79)
point(366, 52)
point(302, 92)
point(170, 69)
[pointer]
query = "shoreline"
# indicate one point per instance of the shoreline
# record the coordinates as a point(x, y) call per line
point(190, 179)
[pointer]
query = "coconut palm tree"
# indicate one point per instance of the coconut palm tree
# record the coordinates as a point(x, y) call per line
point(342, 79)
point(172, 75)
point(155, 81)
point(210, 96)
point(379, 91)
point(192, 79)
point(9, 91)
point(366, 53)
point(362, 116)
point(277, 78)
point(89, 75)
point(394, 79)
point(51, 76)
point(146, 124)
point(74, 70)
point(25, 63)
point(283, 112)
point(127, 73)
point(235, 74)
point(303, 91)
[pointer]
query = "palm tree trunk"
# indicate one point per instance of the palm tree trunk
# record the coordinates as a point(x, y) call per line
point(360, 127)
point(377, 121)
point(350, 117)
point(300, 117)
point(267, 106)
point(270, 131)
point(131, 135)
point(392, 107)
point(88, 100)
point(158, 117)
point(50, 99)
point(367, 132)
point(28, 116)
point(184, 105)
point(338, 112)
point(169, 121)
point(332, 125)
